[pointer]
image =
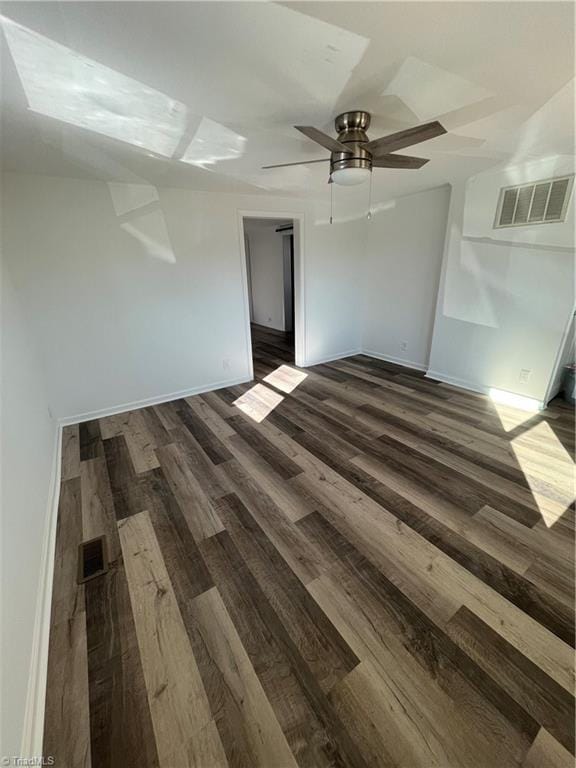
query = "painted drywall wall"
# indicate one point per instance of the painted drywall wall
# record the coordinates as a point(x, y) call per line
point(28, 446)
point(266, 272)
point(503, 307)
point(404, 249)
point(287, 255)
point(334, 279)
point(134, 292)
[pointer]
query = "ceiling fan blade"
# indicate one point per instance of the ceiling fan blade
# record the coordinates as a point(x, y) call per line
point(302, 162)
point(398, 161)
point(406, 138)
point(322, 138)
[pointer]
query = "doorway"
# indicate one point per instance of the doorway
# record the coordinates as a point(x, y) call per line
point(271, 245)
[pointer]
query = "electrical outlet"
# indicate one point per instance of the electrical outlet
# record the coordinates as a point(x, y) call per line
point(525, 374)
point(226, 363)
point(404, 346)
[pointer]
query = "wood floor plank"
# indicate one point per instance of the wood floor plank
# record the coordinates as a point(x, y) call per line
point(546, 752)
point(70, 452)
point(328, 657)
point(209, 479)
point(67, 718)
point(315, 734)
point(206, 410)
point(155, 427)
point(289, 501)
point(279, 462)
point(246, 724)
point(121, 729)
point(168, 414)
point(181, 555)
point(113, 425)
point(390, 727)
point(197, 508)
point(186, 734)
point(90, 440)
point(121, 732)
point(304, 560)
point(123, 482)
point(254, 736)
point(140, 443)
point(450, 482)
point(98, 517)
point(213, 447)
point(506, 548)
point(549, 704)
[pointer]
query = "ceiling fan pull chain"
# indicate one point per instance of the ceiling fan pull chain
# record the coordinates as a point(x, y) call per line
point(331, 201)
point(369, 214)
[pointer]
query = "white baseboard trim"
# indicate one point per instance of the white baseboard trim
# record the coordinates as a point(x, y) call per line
point(473, 386)
point(395, 360)
point(33, 728)
point(330, 358)
point(136, 404)
point(455, 382)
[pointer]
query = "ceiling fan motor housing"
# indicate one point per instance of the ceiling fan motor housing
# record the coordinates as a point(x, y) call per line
point(352, 127)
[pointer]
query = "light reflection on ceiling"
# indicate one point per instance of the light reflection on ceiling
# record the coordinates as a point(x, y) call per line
point(213, 142)
point(429, 91)
point(67, 86)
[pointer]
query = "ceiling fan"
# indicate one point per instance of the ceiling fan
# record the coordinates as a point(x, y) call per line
point(353, 155)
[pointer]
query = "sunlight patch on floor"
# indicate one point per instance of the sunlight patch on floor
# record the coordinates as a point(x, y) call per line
point(285, 379)
point(559, 492)
point(513, 410)
point(258, 402)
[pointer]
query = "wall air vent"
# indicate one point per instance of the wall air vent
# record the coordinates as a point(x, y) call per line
point(542, 202)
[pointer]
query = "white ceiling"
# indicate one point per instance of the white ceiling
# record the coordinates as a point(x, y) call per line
point(201, 95)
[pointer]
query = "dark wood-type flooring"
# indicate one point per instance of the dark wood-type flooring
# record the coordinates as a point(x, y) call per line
point(345, 565)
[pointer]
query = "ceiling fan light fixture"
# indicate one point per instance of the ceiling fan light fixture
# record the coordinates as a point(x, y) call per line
point(349, 177)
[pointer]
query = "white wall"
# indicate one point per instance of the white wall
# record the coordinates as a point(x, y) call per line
point(287, 248)
point(135, 293)
point(502, 306)
point(27, 469)
point(403, 256)
point(334, 282)
point(267, 272)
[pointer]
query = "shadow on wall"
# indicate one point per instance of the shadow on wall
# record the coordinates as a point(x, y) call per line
point(141, 216)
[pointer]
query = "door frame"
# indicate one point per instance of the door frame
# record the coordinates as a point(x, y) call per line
point(298, 219)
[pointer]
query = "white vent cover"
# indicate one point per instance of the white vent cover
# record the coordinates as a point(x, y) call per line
point(542, 202)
